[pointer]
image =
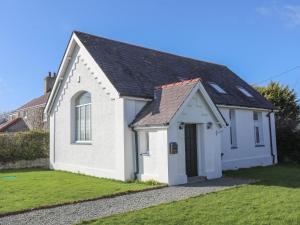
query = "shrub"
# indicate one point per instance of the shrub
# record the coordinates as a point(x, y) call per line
point(287, 120)
point(288, 144)
point(28, 145)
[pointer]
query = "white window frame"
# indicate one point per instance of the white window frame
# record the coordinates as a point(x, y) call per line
point(245, 92)
point(233, 133)
point(79, 136)
point(217, 88)
point(145, 143)
point(258, 129)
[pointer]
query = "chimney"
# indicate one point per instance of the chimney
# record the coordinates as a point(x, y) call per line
point(49, 82)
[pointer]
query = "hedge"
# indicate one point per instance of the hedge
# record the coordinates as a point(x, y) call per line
point(288, 145)
point(27, 145)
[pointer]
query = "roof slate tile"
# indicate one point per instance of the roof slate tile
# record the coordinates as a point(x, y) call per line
point(135, 71)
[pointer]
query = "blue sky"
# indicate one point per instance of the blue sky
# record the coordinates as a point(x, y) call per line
point(256, 39)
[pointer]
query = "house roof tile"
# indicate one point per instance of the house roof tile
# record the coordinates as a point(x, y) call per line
point(40, 101)
point(167, 100)
point(7, 124)
point(136, 71)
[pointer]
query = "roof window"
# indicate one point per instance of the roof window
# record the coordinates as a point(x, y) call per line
point(218, 88)
point(245, 92)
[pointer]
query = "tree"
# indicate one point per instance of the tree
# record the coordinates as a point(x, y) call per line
point(285, 100)
point(287, 120)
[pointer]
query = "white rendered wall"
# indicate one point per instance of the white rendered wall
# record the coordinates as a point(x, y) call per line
point(154, 166)
point(131, 109)
point(208, 142)
point(247, 154)
point(104, 156)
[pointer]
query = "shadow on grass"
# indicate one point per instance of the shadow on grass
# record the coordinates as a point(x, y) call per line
point(24, 170)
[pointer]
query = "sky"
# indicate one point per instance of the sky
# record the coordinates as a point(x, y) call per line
point(256, 39)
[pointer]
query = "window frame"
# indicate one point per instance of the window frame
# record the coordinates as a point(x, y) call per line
point(217, 88)
point(145, 143)
point(258, 129)
point(245, 92)
point(232, 129)
point(82, 136)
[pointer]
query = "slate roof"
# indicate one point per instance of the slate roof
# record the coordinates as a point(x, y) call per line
point(135, 71)
point(167, 101)
point(40, 101)
point(7, 124)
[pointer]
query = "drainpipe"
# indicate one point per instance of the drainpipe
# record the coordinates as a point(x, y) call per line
point(271, 138)
point(137, 169)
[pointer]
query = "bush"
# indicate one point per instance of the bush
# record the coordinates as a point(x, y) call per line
point(288, 144)
point(28, 145)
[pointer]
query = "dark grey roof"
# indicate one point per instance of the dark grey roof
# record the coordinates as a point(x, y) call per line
point(135, 71)
point(167, 100)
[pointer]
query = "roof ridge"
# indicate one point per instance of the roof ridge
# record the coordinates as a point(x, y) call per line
point(151, 49)
point(27, 104)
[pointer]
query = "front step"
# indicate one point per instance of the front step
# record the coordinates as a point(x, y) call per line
point(197, 179)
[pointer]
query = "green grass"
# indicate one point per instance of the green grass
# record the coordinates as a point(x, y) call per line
point(25, 189)
point(275, 200)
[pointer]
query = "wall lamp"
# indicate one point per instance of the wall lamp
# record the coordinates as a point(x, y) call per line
point(181, 125)
point(209, 125)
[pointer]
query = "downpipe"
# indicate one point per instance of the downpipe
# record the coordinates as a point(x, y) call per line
point(137, 169)
point(271, 136)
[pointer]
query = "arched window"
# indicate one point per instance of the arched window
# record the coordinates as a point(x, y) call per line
point(83, 117)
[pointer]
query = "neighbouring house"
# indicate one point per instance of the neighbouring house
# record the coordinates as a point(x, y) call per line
point(121, 111)
point(3, 118)
point(30, 115)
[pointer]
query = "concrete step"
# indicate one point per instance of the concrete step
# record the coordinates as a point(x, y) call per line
point(197, 179)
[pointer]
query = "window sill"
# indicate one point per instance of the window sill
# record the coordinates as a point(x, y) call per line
point(82, 143)
point(234, 147)
point(261, 145)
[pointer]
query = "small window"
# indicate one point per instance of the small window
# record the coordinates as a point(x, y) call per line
point(255, 116)
point(245, 92)
point(258, 129)
point(83, 117)
point(217, 88)
point(233, 136)
point(145, 143)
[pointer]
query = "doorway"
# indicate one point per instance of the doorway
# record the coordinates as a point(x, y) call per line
point(191, 150)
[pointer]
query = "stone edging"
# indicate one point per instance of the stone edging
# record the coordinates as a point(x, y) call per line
point(80, 201)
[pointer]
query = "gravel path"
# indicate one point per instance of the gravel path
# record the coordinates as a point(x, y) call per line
point(75, 213)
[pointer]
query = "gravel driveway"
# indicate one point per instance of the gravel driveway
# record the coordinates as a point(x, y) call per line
point(75, 213)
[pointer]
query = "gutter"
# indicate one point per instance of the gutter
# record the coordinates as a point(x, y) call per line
point(245, 107)
point(271, 138)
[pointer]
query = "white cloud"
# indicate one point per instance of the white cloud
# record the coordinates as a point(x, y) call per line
point(292, 13)
point(289, 14)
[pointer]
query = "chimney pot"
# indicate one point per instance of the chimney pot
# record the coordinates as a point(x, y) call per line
point(49, 74)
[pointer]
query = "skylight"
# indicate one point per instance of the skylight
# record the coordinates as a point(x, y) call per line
point(245, 92)
point(218, 88)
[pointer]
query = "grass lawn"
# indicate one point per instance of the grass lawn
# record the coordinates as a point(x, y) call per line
point(25, 189)
point(275, 200)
